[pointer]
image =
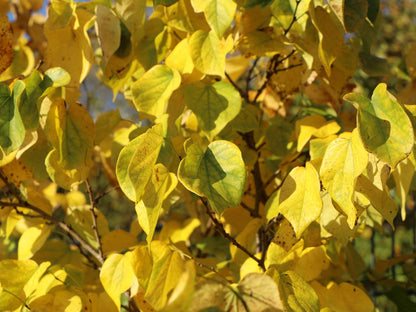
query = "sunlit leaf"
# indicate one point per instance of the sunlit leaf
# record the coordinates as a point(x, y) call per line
point(345, 159)
point(153, 90)
point(403, 175)
point(219, 13)
point(383, 125)
point(136, 160)
point(32, 240)
point(217, 173)
point(208, 53)
point(116, 275)
point(117, 241)
point(300, 200)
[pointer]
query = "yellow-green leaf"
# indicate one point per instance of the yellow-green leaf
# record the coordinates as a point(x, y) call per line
point(108, 29)
point(116, 276)
point(214, 105)
point(295, 293)
point(32, 240)
point(344, 160)
point(217, 173)
point(180, 58)
point(300, 199)
point(384, 127)
point(219, 13)
point(136, 160)
point(314, 126)
point(208, 53)
point(152, 91)
point(160, 185)
point(57, 300)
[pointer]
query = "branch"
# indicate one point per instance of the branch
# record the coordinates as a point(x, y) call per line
point(62, 225)
point(249, 76)
point(94, 219)
point(220, 228)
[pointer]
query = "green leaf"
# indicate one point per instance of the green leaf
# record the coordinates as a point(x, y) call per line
point(136, 161)
point(152, 91)
point(208, 53)
point(300, 199)
point(144, 47)
point(351, 13)
point(219, 13)
point(12, 131)
point(160, 185)
point(59, 76)
point(344, 160)
point(214, 105)
point(383, 125)
point(217, 173)
point(117, 275)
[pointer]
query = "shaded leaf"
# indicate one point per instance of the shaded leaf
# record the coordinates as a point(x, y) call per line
point(217, 173)
point(214, 105)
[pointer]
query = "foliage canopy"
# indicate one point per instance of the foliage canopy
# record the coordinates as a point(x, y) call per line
point(255, 162)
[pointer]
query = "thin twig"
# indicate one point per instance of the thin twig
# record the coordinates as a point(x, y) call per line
point(220, 228)
point(293, 17)
point(242, 94)
point(94, 220)
point(249, 76)
point(99, 196)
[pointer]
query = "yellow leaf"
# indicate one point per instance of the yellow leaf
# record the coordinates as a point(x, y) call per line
point(6, 43)
point(32, 240)
point(181, 296)
point(69, 26)
point(16, 172)
point(14, 274)
point(61, 300)
point(344, 160)
point(314, 126)
point(344, 297)
point(117, 276)
point(173, 231)
point(373, 186)
point(167, 270)
point(117, 241)
point(180, 58)
point(403, 174)
point(300, 199)
point(335, 222)
point(311, 263)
